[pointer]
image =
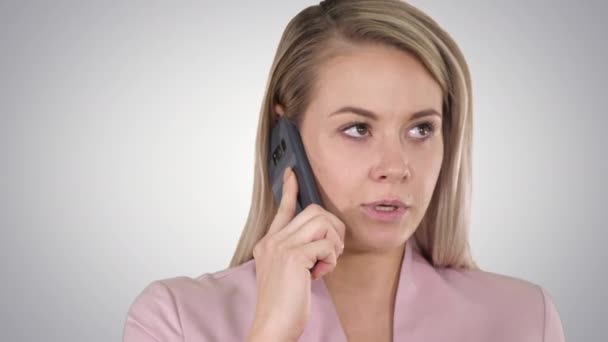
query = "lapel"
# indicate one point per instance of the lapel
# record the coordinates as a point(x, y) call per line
point(324, 323)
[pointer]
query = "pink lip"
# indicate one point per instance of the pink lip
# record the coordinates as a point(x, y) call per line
point(385, 216)
point(389, 201)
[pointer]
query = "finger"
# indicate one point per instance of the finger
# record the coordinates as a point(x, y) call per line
point(319, 250)
point(339, 226)
point(287, 206)
point(333, 235)
point(317, 228)
point(299, 220)
point(308, 214)
point(320, 269)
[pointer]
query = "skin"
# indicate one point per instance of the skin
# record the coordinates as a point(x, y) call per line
point(392, 154)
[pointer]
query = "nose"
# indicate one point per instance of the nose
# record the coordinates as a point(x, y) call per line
point(392, 164)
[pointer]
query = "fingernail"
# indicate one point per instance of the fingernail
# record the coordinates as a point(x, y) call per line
point(290, 173)
point(286, 174)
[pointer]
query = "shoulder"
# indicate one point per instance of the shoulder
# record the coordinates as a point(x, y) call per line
point(171, 309)
point(492, 287)
point(508, 301)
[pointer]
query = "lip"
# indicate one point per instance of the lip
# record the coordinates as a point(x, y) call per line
point(388, 200)
point(386, 216)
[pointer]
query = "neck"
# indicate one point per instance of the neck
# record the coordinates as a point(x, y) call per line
point(373, 273)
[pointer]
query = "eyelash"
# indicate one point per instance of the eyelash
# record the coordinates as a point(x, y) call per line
point(429, 125)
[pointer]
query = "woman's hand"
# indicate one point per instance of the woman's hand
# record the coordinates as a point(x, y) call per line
point(294, 250)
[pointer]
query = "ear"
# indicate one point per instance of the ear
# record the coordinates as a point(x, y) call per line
point(279, 110)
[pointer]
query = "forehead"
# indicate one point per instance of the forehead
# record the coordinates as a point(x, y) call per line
point(377, 77)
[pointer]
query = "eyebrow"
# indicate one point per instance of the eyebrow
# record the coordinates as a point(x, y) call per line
point(373, 116)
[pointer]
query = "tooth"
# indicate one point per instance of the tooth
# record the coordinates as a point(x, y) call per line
point(385, 208)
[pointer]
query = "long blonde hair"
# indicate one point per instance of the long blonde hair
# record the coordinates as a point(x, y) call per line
point(315, 35)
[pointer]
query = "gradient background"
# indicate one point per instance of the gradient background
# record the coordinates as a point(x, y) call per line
point(126, 144)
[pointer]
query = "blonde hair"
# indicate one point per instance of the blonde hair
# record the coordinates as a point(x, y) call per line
point(315, 35)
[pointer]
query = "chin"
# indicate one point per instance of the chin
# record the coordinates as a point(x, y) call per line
point(364, 235)
point(374, 237)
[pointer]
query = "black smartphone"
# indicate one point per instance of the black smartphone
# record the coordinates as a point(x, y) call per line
point(286, 150)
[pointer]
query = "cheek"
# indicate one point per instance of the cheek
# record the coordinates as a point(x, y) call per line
point(427, 171)
point(338, 171)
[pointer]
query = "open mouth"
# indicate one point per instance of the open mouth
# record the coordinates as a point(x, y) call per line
point(385, 212)
point(386, 207)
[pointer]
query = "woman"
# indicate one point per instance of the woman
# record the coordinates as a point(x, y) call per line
point(381, 96)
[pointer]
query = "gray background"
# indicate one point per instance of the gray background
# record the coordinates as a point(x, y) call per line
point(126, 143)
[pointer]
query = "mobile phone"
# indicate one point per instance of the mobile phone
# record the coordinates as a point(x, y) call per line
point(286, 150)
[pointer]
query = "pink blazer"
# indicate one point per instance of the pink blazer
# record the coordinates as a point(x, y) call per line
point(432, 304)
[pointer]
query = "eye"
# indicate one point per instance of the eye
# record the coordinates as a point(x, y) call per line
point(356, 130)
point(426, 129)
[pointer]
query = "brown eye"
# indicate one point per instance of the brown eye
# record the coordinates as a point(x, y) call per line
point(357, 130)
point(425, 129)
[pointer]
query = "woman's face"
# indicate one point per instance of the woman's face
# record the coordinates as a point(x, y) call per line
point(373, 133)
